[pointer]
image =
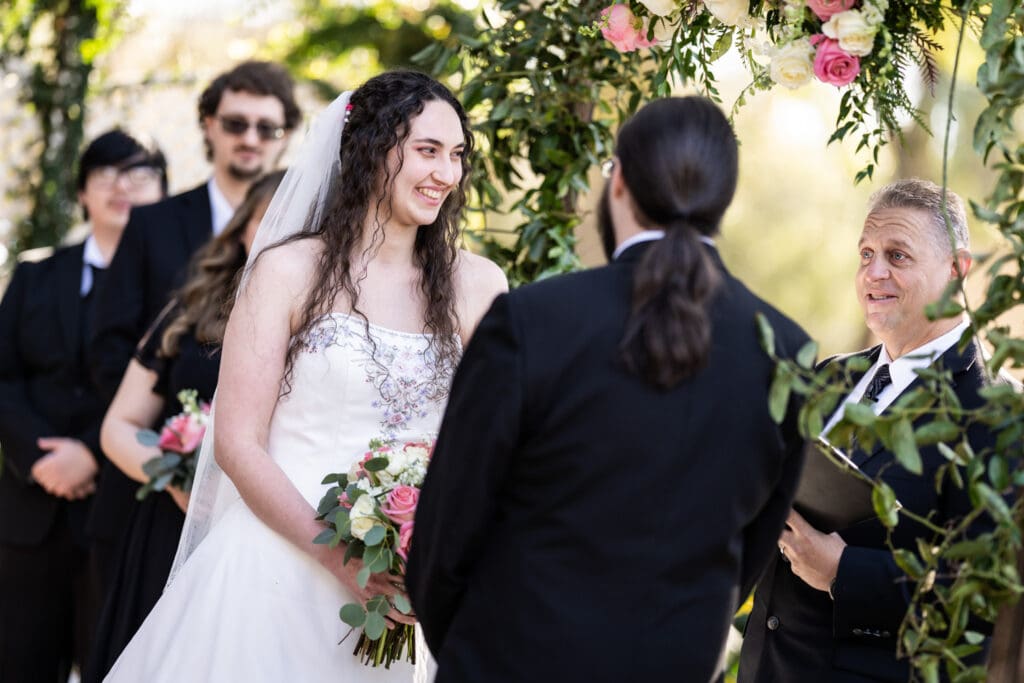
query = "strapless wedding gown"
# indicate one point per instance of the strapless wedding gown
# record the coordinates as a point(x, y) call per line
point(247, 605)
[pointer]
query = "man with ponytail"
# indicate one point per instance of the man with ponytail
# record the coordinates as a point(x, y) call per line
point(608, 484)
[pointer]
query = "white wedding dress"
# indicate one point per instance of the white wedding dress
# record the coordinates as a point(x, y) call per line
point(249, 606)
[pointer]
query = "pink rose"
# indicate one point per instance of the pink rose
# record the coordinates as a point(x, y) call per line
point(623, 30)
point(832, 64)
point(401, 504)
point(824, 9)
point(343, 500)
point(181, 434)
point(404, 539)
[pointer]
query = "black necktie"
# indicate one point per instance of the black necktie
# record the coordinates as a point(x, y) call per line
point(97, 277)
point(878, 384)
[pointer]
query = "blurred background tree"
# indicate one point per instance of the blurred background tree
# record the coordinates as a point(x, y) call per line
point(51, 46)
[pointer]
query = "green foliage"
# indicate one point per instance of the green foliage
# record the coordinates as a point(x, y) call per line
point(545, 100)
point(55, 43)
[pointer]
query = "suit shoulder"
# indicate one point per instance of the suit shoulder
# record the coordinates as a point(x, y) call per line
point(163, 210)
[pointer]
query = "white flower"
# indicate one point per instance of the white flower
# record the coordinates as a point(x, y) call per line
point(362, 516)
point(662, 8)
point(361, 526)
point(855, 35)
point(663, 31)
point(354, 471)
point(874, 14)
point(793, 64)
point(729, 12)
point(398, 460)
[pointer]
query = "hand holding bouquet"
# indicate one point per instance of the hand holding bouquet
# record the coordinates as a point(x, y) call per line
point(179, 439)
point(370, 508)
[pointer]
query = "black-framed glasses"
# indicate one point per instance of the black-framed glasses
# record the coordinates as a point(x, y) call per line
point(239, 125)
point(136, 176)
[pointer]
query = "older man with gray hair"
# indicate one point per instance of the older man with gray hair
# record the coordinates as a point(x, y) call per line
point(829, 607)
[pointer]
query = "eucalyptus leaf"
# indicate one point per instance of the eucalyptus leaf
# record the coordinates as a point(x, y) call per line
point(375, 626)
point(353, 615)
point(904, 447)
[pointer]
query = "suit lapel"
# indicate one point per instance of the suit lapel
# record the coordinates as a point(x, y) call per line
point(954, 361)
point(69, 297)
point(196, 217)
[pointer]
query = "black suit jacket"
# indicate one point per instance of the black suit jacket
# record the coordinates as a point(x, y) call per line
point(579, 524)
point(796, 633)
point(44, 388)
point(149, 264)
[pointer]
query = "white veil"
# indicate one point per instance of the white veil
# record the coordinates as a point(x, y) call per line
point(299, 198)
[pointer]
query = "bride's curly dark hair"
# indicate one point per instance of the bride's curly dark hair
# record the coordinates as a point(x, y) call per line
point(378, 120)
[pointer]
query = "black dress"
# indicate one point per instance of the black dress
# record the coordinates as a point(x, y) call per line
point(151, 539)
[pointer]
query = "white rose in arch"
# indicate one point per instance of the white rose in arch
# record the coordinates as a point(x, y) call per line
point(856, 35)
point(729, 12)
point(793, 64)
point(662, 8)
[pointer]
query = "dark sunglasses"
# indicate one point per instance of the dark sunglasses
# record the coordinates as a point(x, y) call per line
point(238, 125)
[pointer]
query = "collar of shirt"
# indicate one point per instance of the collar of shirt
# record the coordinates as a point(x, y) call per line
point(649, 236)
point(903, 371)
point(91, 256)
point(220, 209)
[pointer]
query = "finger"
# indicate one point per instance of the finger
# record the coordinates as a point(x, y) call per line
point(787, 538)
point(796, 522)
point(48, 443)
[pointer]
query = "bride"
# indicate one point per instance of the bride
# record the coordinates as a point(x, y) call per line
point(348, 325)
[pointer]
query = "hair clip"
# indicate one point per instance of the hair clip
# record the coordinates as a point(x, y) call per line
point(348, 110)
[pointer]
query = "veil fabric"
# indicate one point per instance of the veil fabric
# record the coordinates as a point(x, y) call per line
point(300, 198)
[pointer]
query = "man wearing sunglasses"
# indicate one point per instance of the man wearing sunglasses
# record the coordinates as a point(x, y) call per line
point(246, 117)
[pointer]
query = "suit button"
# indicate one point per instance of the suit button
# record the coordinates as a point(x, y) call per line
point(773, 623)
point(858, 632)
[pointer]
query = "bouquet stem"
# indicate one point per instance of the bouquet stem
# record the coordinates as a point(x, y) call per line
point(388, 648)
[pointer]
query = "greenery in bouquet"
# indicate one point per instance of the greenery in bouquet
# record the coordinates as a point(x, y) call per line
point(179, 441)
point(370, 509)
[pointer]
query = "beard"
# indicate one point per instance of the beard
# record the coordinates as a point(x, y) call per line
point(247, 174)
point(605, 230)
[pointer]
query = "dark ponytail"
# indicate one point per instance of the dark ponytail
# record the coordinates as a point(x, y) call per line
point(679, 161)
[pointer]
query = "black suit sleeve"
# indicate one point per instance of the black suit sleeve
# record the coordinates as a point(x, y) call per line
point(478, 438)
point(20, 424)
point(761, 536)
point(120, 309)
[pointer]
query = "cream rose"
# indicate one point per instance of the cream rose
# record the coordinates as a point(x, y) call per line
point(361, 516)
point(855, 34)
point(662, 8)
point(792, 64)
point(729, 12)
point(361, 526)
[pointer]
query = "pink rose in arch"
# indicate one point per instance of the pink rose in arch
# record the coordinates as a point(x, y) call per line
point(623, 30)
point(182, 434)
point(404, 539)
point(401, 504)
point(824, 9)
point(832, 64)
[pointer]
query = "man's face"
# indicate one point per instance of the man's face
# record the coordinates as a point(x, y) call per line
point(246, 135)
point(903, 268)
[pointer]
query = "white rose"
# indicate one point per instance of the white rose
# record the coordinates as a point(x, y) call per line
point(729, 12)
point(662, 8)
point(361, 526)
point(363, 507)
point(853, 32)
point(354, 470)
point(792, 64)
point(397, 461)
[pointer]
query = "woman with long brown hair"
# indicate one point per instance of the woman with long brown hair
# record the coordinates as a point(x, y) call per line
point(180, 351)
point(347, 329)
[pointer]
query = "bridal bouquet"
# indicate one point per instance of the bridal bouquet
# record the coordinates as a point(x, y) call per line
point(370, 508)
point(179, 439)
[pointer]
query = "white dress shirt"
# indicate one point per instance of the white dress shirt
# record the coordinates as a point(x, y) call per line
point(649, 236)
point(903, 371)
point(221, 210)
point(91, 256)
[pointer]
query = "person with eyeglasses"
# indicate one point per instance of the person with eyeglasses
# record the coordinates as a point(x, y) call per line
point(50, 417)
point(246, 116)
